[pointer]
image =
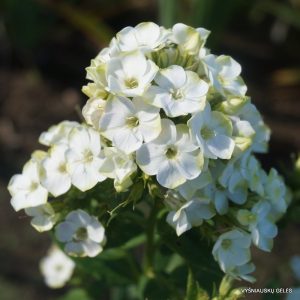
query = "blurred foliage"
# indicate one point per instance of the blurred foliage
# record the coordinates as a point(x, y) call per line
point(29, 22)
point(76, 294)
point(292, 178)
point(212, 14)
point(286, 11)
point(26, 22)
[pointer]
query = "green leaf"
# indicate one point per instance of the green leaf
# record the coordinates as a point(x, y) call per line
point(134, 242)
point(76, 294)
point(196, 252)
point(193, 290)
point(112, 272)
point(113, 254)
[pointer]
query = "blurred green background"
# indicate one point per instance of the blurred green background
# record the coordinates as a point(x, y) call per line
point(45, 46)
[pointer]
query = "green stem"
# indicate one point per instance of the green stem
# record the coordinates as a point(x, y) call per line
point(150, 243)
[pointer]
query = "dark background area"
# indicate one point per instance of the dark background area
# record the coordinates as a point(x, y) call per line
point(44, 48)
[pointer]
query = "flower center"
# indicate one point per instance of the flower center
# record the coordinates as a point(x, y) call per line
point(206, 133)
point(226, 244)
point(222, 80)
point(33, 186)
point(62, 168)
point(171, 152)
point(131, 83)
point(132, 122)
point(81, 234)
point(58, 268)
point(251, 218)
point(176, 94)
point(88, 155)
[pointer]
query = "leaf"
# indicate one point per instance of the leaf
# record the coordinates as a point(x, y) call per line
point(196, 252)
point(112, 272)
point(134, 242)
point(159, 288)
point(174, 262)
point(194, 292)
point(113, 254)
point(76, 294)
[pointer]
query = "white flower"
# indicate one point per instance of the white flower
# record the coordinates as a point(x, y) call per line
point(117, 165)
point(106, 53)
point(260, 224)
point(212, 131)
point(247, 121)
point(57, 268)
point(242, 272)
point(172, 156)
point(254, 175)
point(26, 189)
point(178, 92)
point(83, 158)
point(190, 215)
point(130, 75)
point(43, 217)
point(128, 123)
point(190, 187)
point(242, 127)
point(93, 110)
point(57, 134)
point(223, 72)
point(146, 36)
point(232, 249)
point(232, 178)
point(97, 70)
point(189, 39)
point(82, 234)
point(249, 113)
point(56, 178)
point(218, 196)
point(38, 156)
point(275, 191)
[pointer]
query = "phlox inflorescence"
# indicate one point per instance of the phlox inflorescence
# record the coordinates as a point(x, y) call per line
point(163, 108)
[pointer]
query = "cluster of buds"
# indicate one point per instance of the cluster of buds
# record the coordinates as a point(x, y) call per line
point(161, 107)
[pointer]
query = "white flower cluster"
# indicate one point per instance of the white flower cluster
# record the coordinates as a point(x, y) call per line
point(160, 104)
point(74, 158)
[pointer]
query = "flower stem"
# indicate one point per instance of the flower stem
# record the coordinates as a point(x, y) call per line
point(150, 243)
